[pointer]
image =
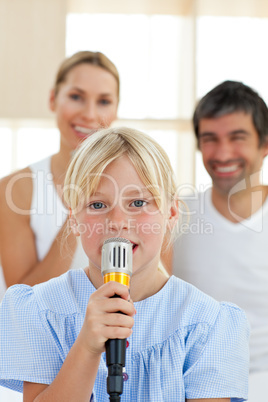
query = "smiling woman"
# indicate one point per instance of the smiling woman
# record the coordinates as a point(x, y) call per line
point(83, 103)
point(84, 99)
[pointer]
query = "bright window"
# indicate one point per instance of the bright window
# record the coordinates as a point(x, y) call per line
point(232, 48)
point(147, 52)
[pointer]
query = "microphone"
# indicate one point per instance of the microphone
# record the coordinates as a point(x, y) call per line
point(116, 265)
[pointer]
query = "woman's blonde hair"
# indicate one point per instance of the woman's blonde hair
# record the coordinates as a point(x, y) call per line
point(95, 58)
point(100, 149)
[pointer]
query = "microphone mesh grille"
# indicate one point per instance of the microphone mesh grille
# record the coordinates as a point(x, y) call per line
point(117, 239)
point(117, 256)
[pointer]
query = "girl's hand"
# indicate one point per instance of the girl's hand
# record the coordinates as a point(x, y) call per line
point(103, 319)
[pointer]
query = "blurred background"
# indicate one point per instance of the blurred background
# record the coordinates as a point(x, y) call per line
point(169, 53)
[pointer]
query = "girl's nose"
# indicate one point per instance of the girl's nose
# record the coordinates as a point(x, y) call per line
point(118, 220)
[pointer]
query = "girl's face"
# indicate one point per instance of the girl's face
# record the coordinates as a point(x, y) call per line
point(86, 101)
point(122, 207)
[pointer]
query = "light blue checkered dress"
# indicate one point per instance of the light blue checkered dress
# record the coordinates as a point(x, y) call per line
point(184, 343)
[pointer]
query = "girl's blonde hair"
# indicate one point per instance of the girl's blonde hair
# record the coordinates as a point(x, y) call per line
point(100, 149)
point(85, 57)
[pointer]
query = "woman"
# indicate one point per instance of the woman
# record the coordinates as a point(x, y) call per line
point(32, 214)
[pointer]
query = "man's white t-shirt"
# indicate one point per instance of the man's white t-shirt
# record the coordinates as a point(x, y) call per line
point(228, 261)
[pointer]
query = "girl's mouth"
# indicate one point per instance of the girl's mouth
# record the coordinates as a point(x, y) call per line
point(134, 246)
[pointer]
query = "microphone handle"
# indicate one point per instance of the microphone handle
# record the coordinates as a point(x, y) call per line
point(115, 361)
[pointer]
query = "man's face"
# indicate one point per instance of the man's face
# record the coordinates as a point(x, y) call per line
point(230, 149)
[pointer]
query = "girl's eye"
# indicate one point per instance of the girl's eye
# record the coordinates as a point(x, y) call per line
point(97, 205)
point(138, 203)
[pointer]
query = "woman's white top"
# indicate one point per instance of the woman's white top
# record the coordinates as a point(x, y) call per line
point(47, 216)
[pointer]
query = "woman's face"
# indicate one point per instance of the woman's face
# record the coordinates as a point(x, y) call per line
point(86, 101)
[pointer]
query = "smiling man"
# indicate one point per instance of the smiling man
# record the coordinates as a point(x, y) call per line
point(230, 260)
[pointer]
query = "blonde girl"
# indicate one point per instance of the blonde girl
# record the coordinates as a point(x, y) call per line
point(182, 344)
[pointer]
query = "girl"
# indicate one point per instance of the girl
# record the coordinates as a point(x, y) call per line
point(182, 344)
point(84, 99)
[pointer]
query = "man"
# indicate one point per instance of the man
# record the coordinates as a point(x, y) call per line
point(223, 248)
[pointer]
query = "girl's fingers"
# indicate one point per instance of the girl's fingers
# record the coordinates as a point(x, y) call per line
point(108, 317)
point(118, 320)
point(117, 304)
point(117, 333)
point(112, 288)
point(102, 300)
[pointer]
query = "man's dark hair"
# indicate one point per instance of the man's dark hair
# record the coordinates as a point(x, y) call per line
point(230, 97)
